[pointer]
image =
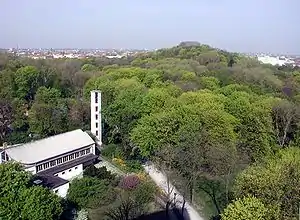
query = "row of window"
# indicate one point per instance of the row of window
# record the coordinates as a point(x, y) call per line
point(63, 159)
point(63, 173)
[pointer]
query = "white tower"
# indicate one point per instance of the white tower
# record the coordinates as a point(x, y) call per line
point(96, 126)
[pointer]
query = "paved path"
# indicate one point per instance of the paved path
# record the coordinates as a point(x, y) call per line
point(161, 180)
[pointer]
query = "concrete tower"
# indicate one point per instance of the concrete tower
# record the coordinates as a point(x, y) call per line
point(96, 126)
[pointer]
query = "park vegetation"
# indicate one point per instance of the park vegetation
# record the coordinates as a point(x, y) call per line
point(224, 126)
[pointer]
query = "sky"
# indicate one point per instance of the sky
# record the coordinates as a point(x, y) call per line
point(234, 25)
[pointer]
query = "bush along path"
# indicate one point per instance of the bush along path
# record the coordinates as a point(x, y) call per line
point(110, 167)
point(161, 181)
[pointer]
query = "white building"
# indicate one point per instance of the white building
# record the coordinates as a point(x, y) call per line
point(56, 160)
point(280, 61)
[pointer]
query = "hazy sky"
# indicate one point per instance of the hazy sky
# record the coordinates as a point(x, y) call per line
point(235, 25)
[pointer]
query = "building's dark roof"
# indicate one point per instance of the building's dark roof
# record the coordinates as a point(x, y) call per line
point(68, 165)
point(50, 181)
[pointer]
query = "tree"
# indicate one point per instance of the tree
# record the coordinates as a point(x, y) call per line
point(247, 208)
point(127, 210)
point(274, 182)
point(100, 173)
point(21, 200)
point(90, 192)
point(88, 67)
point(6, 119)
point(286, 116)
point(47, 95)
point(13, 181)
point(40, 204)
point(48, 119)
point(26, 80)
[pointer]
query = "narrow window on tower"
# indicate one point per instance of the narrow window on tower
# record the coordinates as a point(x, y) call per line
point(96, 97)
point(96, 108)
point(96, 125)
point(96, 116)
point(96, 133)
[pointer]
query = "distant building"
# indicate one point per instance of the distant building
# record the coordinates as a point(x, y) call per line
point(280, 61)
point(56, 160)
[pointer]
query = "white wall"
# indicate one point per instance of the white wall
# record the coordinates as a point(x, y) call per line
point(31, 169)
point(71, 173)
point(61, 190)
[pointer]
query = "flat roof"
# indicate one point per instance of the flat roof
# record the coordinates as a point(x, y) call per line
point(49, 181)
point(33, 152)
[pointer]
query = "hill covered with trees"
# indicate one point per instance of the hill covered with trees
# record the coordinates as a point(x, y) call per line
point(225, 125)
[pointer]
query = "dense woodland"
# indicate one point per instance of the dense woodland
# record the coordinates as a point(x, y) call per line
point(226, 126)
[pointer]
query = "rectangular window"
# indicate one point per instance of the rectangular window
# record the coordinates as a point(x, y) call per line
point(96, 116)
point(56, 175)
point(71, 157)
point(96, 125)
point(82, 152)
point(46, 165)
point(59, 161)
point(96, 97)
point(56, 191)
point(39, 168)
point(76, 168)
point(76, 154)
point(96, 108)
point(53, 163)
point(65, 158)
point(63, 173)
point(70, 170)
point(88, 151)
point(3, 156)
point(97, 133)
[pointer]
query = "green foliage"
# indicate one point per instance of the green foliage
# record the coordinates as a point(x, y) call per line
point(88, 67)
point(274, 182)
point(39, 198)
point(247, 208)
point(90, 192)
point(21, 200)
point(205, 113)
point(209, 82)
point(100, 173)
point(47, 95)
point(26, 80)
point(145, 192)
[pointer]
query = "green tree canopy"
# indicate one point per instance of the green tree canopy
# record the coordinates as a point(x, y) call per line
point(247, 208)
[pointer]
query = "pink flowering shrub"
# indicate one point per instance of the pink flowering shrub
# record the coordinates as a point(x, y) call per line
point(130, 182)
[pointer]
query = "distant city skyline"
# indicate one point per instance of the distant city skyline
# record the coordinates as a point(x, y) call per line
point(268, 26)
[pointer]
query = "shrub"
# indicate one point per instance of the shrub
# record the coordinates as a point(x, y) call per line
point(246, 208)
point(119, 162)
point(109, 150)
point(90, 192)
point(145, 193)
point(133, 165)
point(130, 182)
point(100, 173)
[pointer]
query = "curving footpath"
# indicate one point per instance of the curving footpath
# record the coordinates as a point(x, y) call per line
point(161, 180)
